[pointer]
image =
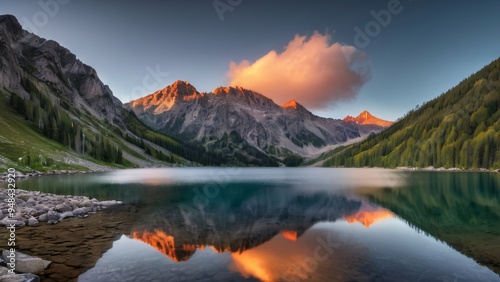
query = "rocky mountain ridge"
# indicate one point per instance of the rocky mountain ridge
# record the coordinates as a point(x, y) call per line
point(249, 117)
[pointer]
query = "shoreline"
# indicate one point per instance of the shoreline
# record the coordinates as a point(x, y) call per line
point(33, 207)
point(430, 169)
point(74, 245)
point(452, 169)
point(23, 176)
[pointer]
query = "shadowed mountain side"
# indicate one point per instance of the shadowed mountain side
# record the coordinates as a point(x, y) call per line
point(463, 212)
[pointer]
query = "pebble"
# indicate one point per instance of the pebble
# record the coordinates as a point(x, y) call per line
point(33, 207)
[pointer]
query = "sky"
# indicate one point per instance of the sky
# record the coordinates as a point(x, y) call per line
point(337, 58)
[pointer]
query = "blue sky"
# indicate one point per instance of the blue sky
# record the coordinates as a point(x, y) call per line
point(425, 48)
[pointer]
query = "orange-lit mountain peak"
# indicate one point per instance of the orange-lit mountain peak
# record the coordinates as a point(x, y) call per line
point(368, 119)
point(369, 217)
point(181, 82)
point(291, 104)
point(365, 115)
point(165, 244)
point(229, 90)
point(290, 235)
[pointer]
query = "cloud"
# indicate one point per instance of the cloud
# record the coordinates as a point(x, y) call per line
point(309, 70)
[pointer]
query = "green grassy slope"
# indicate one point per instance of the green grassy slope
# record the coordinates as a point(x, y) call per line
point(18, 140)
point(460, 128)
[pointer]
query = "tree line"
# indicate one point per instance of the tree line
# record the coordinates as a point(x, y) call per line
point(460, 128)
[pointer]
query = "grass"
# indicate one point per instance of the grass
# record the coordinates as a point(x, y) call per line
point(18, 139)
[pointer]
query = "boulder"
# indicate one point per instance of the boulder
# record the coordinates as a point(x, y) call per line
point(20, 223)
point(20, 278)
point(3, 271)
point(41, 207)
point(87, 203)
point(66, 215)
point(27, 264)
point(62, 208)
point(42, 217)
point(29, 211)
point(81, 211)
point(109, 203)
point(7, 221)
point(33, 222)
point(53, 217)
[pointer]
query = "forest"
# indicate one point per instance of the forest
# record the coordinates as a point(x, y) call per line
point(458, 129)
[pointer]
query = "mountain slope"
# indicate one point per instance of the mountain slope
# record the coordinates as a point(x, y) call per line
point(51, 96)
point(366, 118)
point(460, 128)
point(242, 123)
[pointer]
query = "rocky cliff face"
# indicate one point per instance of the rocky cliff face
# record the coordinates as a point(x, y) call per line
point(25, 55)
point(181, 110)
point(67, 101)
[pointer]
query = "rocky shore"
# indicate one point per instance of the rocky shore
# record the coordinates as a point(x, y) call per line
point(33, 207)
point(20, 175)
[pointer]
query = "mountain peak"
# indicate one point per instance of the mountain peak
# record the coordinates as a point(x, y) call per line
point(181, 87)
point(365, 114)
point(366, 118)
point(11, 23)
point(291, 104)
point(164, 99)
point(229, 90)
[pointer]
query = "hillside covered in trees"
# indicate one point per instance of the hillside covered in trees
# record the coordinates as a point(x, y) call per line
point(460, 128)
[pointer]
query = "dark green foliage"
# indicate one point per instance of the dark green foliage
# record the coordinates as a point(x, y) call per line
point(192, 152)
point(293, 160)
point(460, 128)
point(53, 122)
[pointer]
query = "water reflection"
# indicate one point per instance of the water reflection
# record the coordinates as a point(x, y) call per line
point(368, 215)
point(297, 224)
point(461, 209)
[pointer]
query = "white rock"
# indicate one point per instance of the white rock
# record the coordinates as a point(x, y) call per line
point(108, 203)
point(42, 217)
point(7, 221)
point(33, 222)
point(62, 208)
point(66, 215)
point(81, 211)
point(20, 278)
point(27, 264)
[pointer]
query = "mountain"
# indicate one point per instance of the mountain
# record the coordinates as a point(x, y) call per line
point(57, 114)
point(366, 118)
point(243, 124)
point(458, 129)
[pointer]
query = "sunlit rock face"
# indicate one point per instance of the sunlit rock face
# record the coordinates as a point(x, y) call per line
point(179, 109)
point(368, 119)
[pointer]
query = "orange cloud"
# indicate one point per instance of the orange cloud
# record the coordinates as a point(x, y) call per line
point(309, 70)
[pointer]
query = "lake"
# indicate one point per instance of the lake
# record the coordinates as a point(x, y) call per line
point(296, 224)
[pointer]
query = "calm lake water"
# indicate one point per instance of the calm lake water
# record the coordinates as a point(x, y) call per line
point(303, 224)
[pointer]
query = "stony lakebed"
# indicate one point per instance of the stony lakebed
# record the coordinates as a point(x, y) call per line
point(28, 209)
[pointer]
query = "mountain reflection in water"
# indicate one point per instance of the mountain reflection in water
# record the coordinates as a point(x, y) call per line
point(298, 224)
